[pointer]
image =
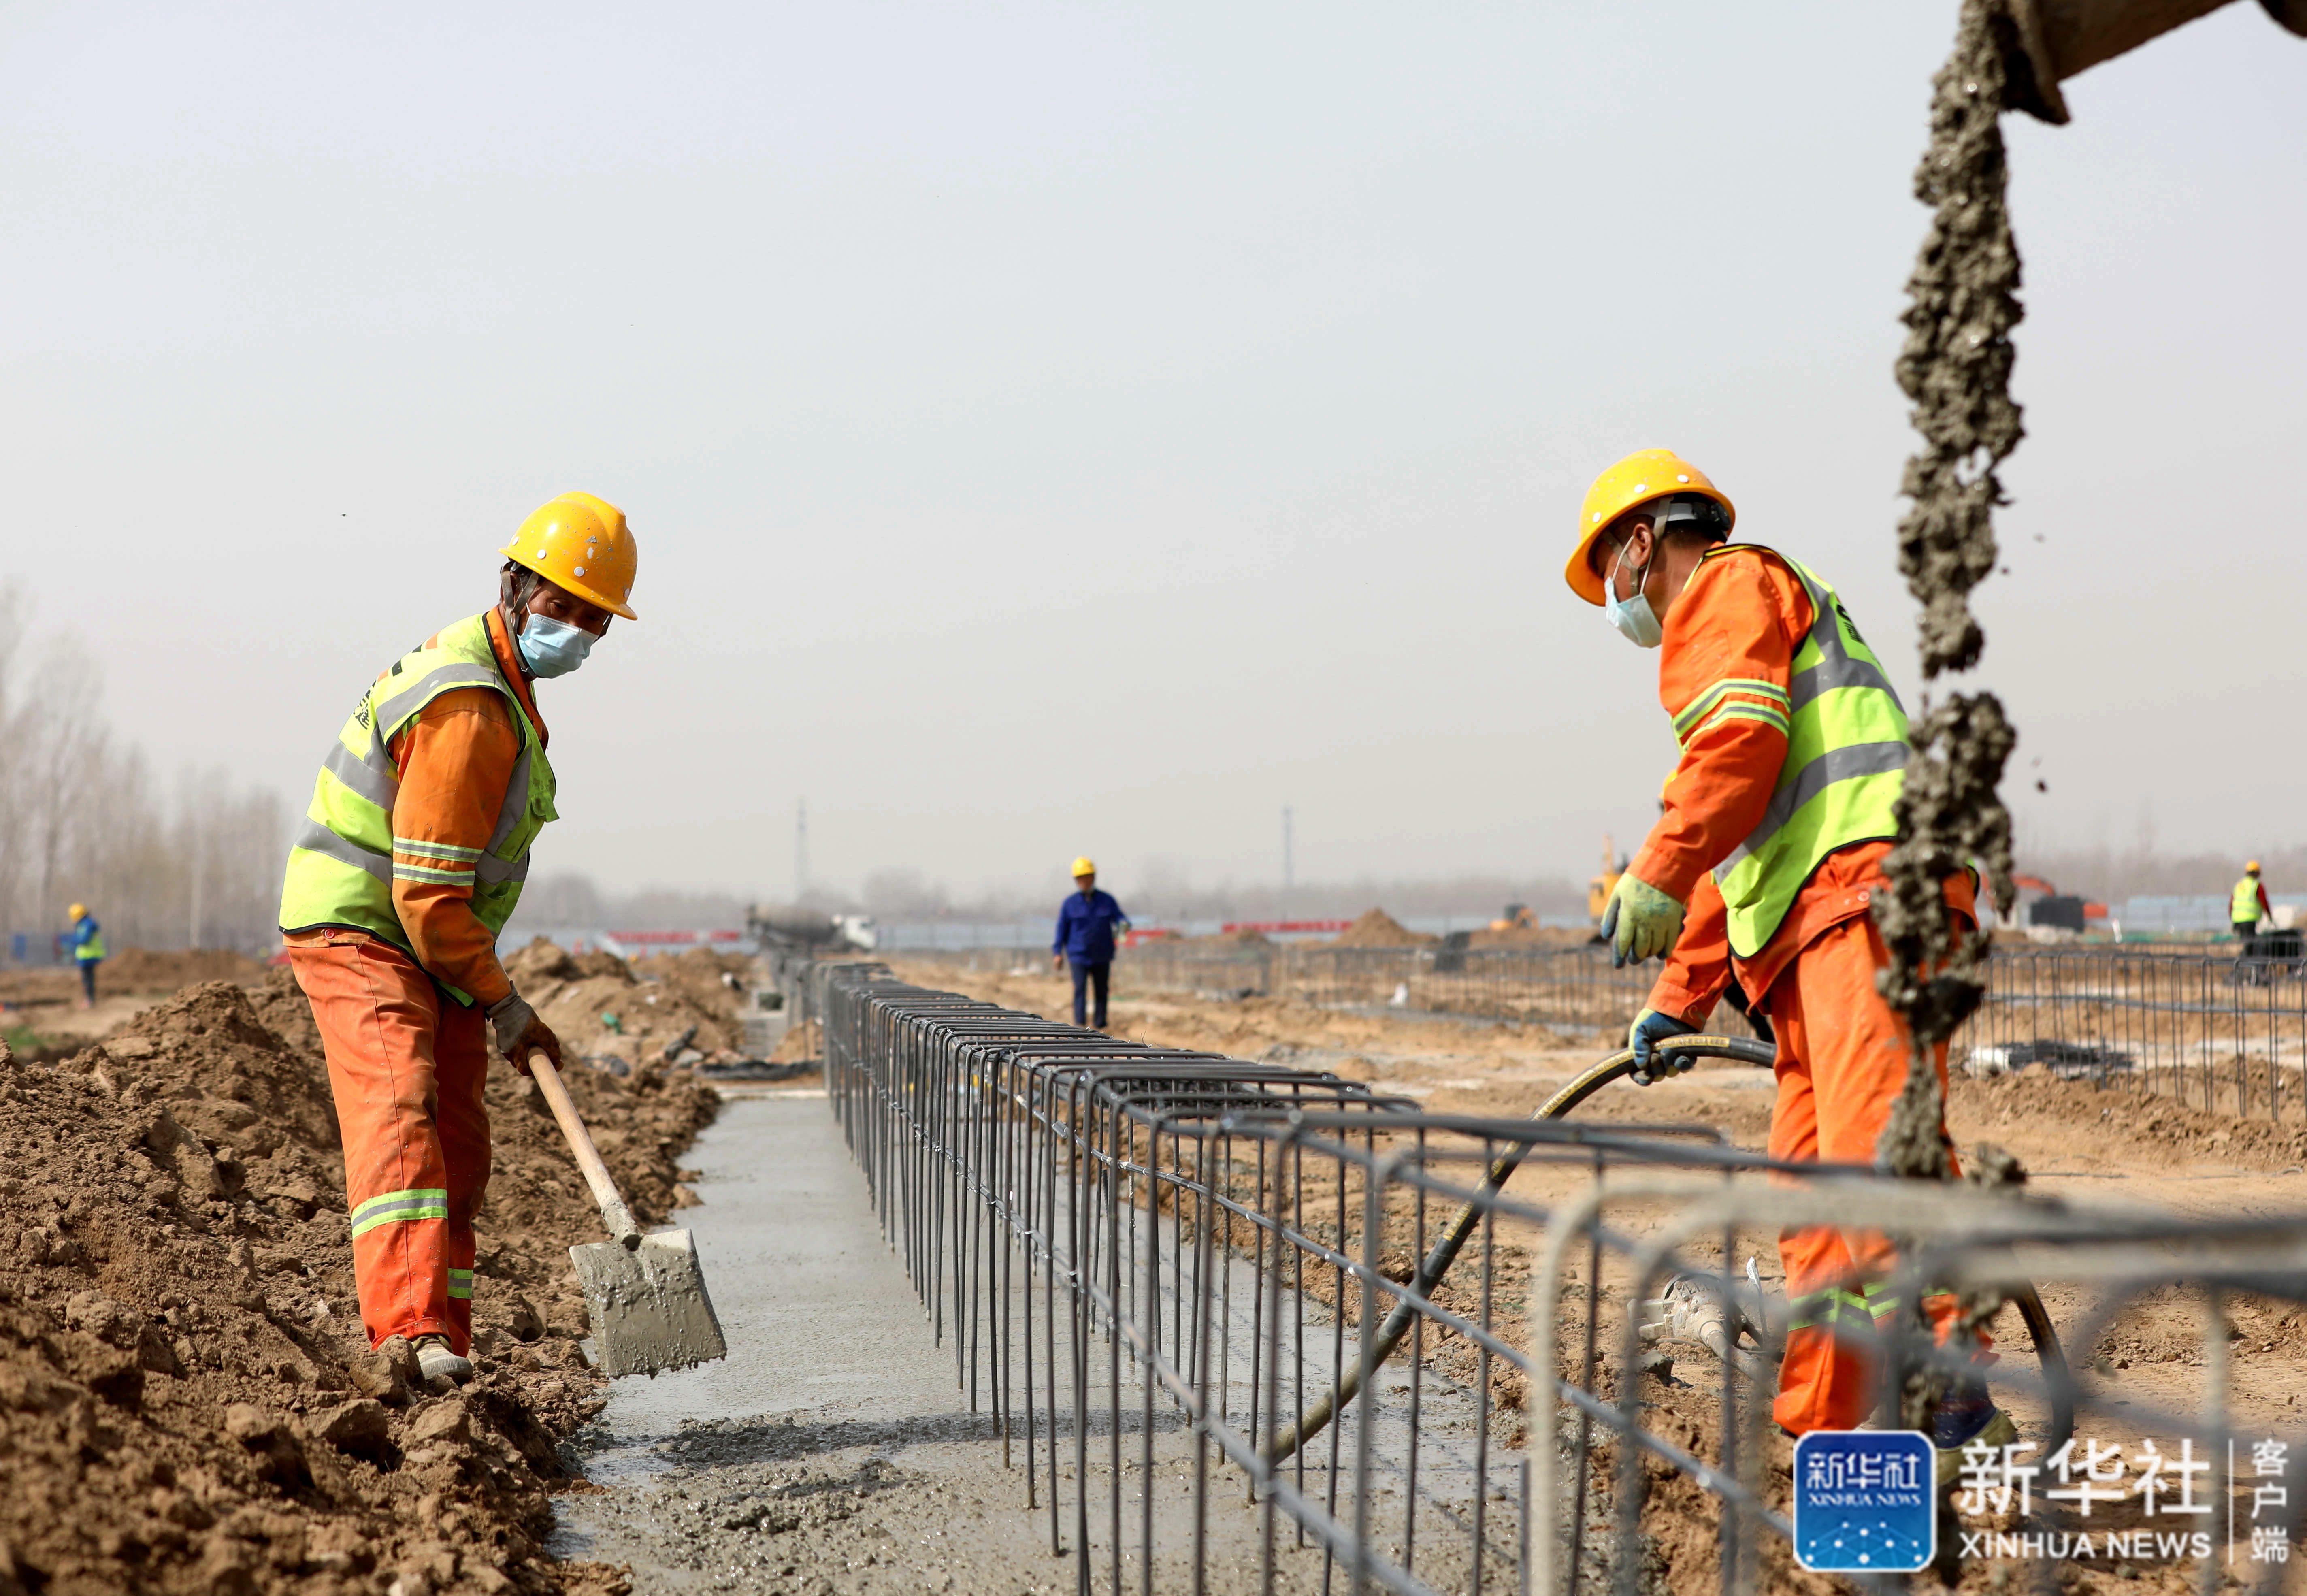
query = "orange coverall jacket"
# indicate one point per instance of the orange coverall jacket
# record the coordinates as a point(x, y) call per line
point(455, 759)
point(407, 1065)
point(1742, 615)
point(1843, 1053)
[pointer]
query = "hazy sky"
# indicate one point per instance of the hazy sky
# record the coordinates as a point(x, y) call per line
point(1050, 428)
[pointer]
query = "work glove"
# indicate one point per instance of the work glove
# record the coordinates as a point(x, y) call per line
point(1650, 1028)
point(520, 1030)
point(1641, 922)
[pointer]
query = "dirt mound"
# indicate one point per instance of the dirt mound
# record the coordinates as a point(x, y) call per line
point(235, 1078)
point(714, 981)
point(187, 1401)
point(1232, 941)
point(622, 1019)
point(1378, 929)
point(542, 961)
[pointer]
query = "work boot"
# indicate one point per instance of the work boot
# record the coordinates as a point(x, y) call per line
point(435, 1361)
point(1967, 1417)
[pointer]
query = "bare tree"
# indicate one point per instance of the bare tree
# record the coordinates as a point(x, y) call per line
point(80, 820)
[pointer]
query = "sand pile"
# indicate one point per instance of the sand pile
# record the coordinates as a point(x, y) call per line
point(716, 982)
point(1232, 941)
point(668, 999)
point(1378, 929)
point(187, 1401)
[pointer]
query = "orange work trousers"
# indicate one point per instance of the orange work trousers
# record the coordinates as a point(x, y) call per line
point(1841, 1064)
point(407, 1065)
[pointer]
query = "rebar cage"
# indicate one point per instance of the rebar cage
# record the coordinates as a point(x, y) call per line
point(1154, 1267)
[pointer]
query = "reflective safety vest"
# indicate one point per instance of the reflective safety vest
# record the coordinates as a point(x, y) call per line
point(92, 951)
point(2245, 907)
point(1845, 764)
point(341, 869)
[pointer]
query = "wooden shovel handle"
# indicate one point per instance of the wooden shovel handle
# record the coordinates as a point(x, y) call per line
point(614, 1212)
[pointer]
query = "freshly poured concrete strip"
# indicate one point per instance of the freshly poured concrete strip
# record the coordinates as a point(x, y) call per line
point(834, 1450)
point(831, 1447)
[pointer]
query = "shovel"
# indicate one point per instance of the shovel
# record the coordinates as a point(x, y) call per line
point(644, 1294)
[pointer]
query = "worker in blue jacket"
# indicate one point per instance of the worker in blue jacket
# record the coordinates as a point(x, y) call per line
point(1086, 922)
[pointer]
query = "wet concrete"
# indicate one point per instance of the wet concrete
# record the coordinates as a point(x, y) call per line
point(832, 1449)
point(835, 1449)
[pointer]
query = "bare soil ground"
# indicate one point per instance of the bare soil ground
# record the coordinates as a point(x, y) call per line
point(40, 1011)
point(187, 1400)
point(2086, 1144)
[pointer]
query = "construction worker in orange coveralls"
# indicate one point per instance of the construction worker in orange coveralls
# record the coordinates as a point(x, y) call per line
point(1763, 866)
point(409, 861)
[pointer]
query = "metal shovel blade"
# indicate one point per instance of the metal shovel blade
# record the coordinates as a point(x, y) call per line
point(649, 1310)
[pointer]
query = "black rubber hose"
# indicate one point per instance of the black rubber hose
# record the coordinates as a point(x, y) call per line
point(1446, 1250)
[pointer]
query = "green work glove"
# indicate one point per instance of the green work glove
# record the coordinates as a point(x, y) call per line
point(1650, 1028)
point(1641, 922)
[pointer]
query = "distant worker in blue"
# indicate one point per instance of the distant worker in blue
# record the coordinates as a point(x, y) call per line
point(87, 951)
point(1086, 922)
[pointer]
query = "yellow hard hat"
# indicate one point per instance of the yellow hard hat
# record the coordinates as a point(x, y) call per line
point(76, 911)
point(581, 543)
point(2249, 869)
point(1085, 866)
point(1642, 476)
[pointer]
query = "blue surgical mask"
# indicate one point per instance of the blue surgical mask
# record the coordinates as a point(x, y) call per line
point(1631, 616)
point(550, 648)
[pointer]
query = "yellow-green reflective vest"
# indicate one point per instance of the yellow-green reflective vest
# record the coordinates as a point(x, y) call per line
point(1845, 764)
point(341, 869)
point(2246, 901)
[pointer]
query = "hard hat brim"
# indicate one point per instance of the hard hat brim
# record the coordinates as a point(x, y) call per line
point(584, 590)
point(1627, 486)
point(1579, 575)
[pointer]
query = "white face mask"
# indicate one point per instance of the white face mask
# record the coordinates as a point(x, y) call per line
point(550, 648)
point(1631, 616)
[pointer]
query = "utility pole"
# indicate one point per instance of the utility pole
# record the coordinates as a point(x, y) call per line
point(801, 848)
point(1289, 862)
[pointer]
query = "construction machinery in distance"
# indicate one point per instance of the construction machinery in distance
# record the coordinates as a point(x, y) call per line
point(1598, 888)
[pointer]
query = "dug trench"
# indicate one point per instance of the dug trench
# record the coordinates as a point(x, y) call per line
point(187, 1400)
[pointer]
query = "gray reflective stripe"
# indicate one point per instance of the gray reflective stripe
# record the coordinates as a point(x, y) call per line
point(1839, 669)
point(514, 804)
point(495, 872)
point(380, 787)
point(1836, 764)
point(317, 839)
point(1836, 667)
point(410, 700)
